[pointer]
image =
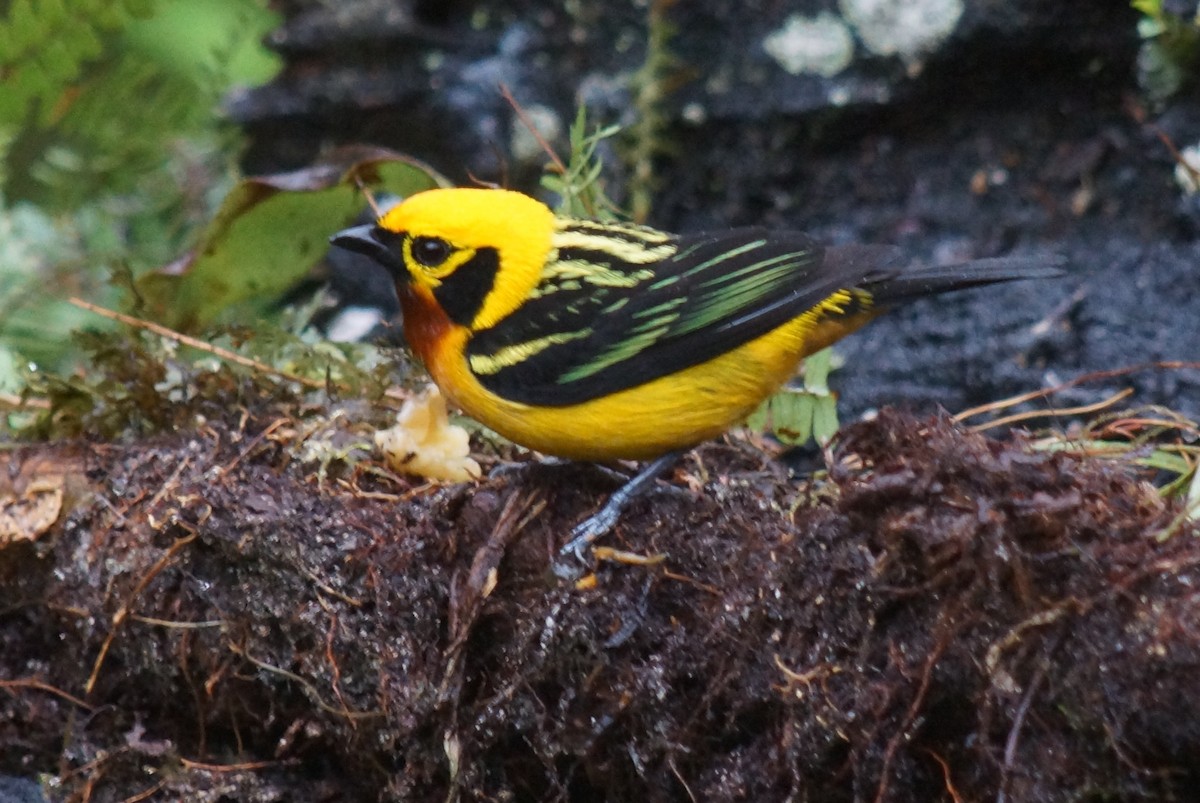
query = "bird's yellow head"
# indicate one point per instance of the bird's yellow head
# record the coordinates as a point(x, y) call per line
point(477, 252)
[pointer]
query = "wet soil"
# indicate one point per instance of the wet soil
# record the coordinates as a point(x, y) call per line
point(941, 616)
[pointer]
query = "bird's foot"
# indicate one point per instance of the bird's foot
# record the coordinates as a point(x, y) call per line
point(573, 556)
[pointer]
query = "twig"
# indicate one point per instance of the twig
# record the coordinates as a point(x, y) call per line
point(20, 402)
point(369, 195)
point(255, 442)
point(33, 683)
point(679, 777)
point(305, 684)
point(537, 135)
point(469, 593)
point(1014, 733)
point(146, 794)
point(336, 681)
point(1164, 423)
point(330, 590)
point(245, 766)
point(910, 717)
point(173, 625)
point(1054, 412)
point(949, 782)
point(683, 578)
point(123, 612)
point(1138, 113)
point(179, 337)
point(1158, 365)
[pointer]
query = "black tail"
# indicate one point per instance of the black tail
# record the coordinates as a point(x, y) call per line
point(896, 288)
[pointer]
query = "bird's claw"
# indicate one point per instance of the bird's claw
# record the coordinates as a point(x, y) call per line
point(574, 555)
point(588, 531)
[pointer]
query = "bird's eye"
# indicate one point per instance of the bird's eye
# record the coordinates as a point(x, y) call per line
point(430, 251)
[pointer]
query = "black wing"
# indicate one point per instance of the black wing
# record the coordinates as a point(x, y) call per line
point(581, 338)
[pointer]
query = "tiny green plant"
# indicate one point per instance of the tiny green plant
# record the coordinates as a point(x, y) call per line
point(1170, 54)
point(578, 183)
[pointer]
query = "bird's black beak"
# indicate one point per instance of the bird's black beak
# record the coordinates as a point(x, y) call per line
point(377, 243)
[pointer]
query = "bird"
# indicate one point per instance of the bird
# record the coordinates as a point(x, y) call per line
point(598, 340)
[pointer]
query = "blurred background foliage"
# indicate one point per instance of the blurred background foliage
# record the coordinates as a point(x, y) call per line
point(113, 152)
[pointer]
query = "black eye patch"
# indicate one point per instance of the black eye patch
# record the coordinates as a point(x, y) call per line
point(430, 251)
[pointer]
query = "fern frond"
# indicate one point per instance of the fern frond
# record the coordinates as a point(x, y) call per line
point(44, 46)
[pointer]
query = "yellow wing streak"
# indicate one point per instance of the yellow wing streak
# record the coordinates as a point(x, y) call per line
point(607, 230)
point(593, 273)
point(834, 304)
point(638, 252)
point(486, 364)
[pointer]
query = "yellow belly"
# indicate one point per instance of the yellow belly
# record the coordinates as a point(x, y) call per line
point(643, 422)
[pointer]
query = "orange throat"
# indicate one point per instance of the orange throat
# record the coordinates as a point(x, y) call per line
point(426, 326)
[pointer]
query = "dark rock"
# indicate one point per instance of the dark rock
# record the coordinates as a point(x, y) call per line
point(19, 790)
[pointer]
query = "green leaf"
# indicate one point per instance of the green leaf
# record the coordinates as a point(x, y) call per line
point(789, 415)
point(11, 377)
point(83, 41)
point(794, 416)
point(22, 21)
point(1151, 8)
point(270, 231)
point(1193, 495)
point(825, 420)
point(1162, 460)
point(139, 8)
point(56, 60)
point(817, 368)
point(52, 13)
point(759, 420)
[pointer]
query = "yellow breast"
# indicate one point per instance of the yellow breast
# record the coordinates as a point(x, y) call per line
point(642, 422)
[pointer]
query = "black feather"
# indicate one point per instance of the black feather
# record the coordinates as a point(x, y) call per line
point(716, 293)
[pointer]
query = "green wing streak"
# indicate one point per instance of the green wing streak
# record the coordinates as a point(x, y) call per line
point(708, 264)
point(715, 298)
point(741, 290)
point(708, 295)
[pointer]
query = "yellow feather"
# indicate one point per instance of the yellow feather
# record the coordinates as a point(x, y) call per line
point(674, 412)
point(607, 265)
point(481, 218)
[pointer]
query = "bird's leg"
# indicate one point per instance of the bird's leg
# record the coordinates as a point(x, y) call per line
point(603, 520)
